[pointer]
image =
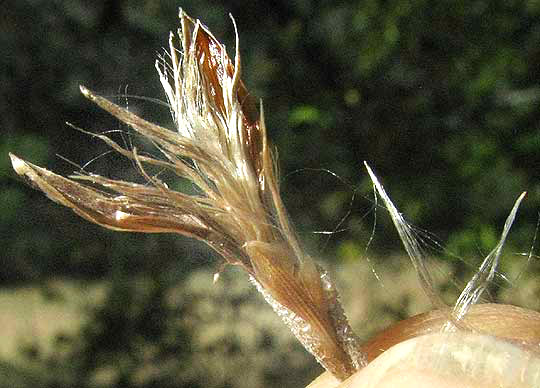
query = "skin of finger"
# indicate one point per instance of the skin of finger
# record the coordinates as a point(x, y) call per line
point(506, 322)
point(446, 361)
point(416, 379)
point(325, 380)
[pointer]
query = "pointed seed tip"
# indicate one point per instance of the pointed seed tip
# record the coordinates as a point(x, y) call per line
point(369, 170)
point(17, 163)
point(13, 157)
point(84, 90)
point(87, 92)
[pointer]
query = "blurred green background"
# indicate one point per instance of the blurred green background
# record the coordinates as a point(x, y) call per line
point(441, 98)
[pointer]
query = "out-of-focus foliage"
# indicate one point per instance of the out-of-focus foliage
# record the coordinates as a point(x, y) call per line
point(441, 98)
point(150, 332)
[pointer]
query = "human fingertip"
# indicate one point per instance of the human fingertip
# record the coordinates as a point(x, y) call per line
point(451, 360)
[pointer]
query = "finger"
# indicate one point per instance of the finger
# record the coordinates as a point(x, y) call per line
point(449, 361)
point(325, 380)
point(507, 322)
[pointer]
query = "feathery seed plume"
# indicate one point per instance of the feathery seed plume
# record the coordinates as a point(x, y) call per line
point(220, 144)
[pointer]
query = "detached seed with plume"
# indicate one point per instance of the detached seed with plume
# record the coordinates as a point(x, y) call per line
point(220, 144)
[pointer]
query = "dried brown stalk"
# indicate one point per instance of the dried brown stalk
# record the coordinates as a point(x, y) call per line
point(220, 144)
